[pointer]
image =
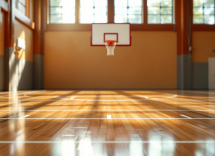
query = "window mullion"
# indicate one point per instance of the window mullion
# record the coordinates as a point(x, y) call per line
point(110, 11)
point(145, 11)
point(77, 11)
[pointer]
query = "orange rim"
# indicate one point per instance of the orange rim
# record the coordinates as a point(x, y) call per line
point(110, 41)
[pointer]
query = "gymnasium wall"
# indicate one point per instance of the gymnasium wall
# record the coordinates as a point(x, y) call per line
point(203, 45)
point(20, 62)
point(22, 67)
point(71, 63)
point(2, 52)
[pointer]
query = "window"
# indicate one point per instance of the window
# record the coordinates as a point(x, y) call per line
point(203, 12)
point(128, 11)
point(62, 11)
point(21, 5)
point(160, 11)
point(93, 11)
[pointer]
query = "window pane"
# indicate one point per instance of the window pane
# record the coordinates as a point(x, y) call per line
point(55, 2)
point(86, 2)
point(198, 19)
point(153, 2)
point(134, 3)
point(209, 3)
point(86, 19)
point(56, 10)
point(62, 11)
point(21, 8)
point(205, 12)
point(100, 10)
point(68, 19)
point(131, 13)
point(198, 10)
point(198, 3)
point(135, 19)
point(56, 18)
point(100, 3)
point(121, 10)
point(86, 10)
point(209, 19)
point(22, 1)
point(100, 19)
point(153, 10)
point(166, 10)
point(160, 11)
point(152, 19)
point(166, 2)
point(120, 19)
point(135, 10)
point(93, 11)
point(209, 11)
point(166, 19)
point(62, 2)
point(120, 3)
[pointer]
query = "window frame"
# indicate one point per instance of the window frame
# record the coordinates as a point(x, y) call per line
point(173, 17)
point(77, 26)
point(199, 27)
point(27, 8)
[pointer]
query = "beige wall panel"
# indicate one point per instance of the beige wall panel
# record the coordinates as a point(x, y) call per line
point(70, 62)
point(2, 35)
point(203, 45)
point(23, 32)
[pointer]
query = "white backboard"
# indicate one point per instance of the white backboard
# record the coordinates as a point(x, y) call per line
point(121, 32)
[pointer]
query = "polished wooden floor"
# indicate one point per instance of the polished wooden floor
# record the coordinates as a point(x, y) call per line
point(75, 123)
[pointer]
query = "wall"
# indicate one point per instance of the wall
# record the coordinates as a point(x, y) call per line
point(2, 52)
point(203, 45)
point(71, 63)
point(22, 60)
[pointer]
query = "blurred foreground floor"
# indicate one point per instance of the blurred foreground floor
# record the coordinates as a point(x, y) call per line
point(154, 123)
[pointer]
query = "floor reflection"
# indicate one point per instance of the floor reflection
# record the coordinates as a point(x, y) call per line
point(164, 124)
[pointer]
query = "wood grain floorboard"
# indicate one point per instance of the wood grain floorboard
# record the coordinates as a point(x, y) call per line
point(74, 122)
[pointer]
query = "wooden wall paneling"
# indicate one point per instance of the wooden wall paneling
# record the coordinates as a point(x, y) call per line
point(27, 8)
point(87, 27)
point(145, 12)
point(37, 32)
point(0, 19)
point(9, 24)
point(77, 11)
point(3, 7)
point(182, 26)
point(110, 12)
point(44, 21)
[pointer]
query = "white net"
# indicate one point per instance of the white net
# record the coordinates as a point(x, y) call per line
point(110, 48)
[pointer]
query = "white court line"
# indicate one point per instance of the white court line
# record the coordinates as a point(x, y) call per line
point(105, 100)
point(128, 110)
point(106, 118)
point(186, 116)
point(24, 116)
point(73, 97)
point(108, 142)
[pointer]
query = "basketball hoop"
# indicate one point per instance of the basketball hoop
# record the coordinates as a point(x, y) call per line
point(110, 45)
